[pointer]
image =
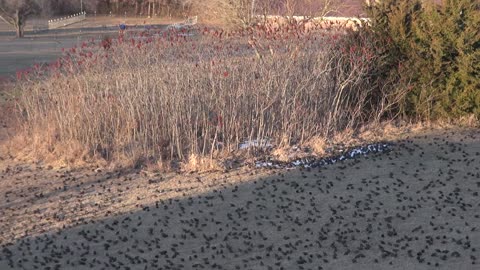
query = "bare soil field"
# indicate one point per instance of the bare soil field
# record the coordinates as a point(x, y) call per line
point(416, 207)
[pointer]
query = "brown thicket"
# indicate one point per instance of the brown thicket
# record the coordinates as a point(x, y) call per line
point(173, 96)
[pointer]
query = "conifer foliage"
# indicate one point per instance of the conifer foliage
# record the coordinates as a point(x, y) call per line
point(434, 51)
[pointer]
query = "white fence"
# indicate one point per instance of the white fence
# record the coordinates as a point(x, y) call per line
point(61, 22)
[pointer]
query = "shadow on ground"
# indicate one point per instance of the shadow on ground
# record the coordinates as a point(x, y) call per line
point(416, 207)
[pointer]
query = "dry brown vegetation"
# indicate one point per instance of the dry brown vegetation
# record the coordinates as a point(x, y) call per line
point(178, 96)
point(190, 97)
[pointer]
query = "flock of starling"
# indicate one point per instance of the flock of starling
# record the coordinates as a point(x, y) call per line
point(414, 207)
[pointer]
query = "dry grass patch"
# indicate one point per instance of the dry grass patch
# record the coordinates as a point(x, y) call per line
point(200, 163)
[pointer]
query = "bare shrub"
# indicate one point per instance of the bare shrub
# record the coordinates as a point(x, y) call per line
point(244, 13)
point(170, 96)
point(226, 12)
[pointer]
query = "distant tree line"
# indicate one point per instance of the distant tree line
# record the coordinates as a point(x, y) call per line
point(238, 12)
point(182, 7)
point(118, 7)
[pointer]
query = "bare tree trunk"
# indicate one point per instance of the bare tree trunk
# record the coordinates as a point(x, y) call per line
point(18, 24)
point(142, 10)
point(19, 32)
